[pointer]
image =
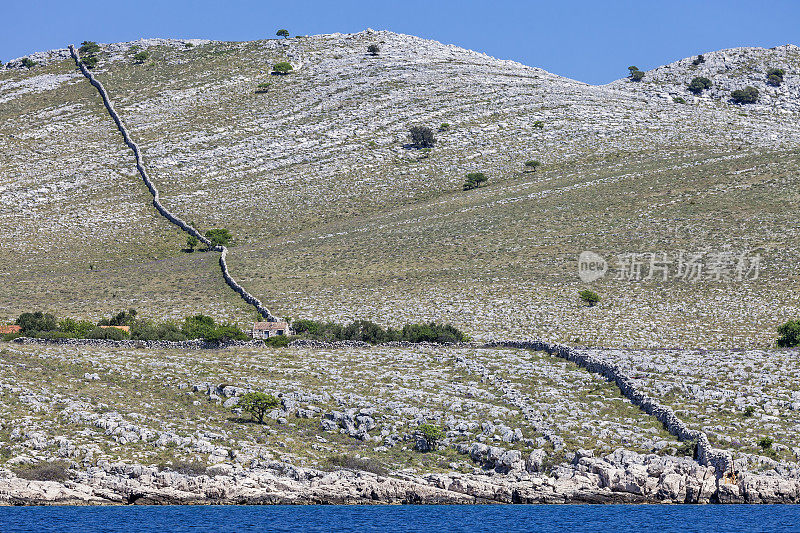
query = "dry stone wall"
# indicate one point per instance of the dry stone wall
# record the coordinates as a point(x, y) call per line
point(247, 297)
point(706, 454)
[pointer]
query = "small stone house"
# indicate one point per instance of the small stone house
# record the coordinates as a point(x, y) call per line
point(265, 330)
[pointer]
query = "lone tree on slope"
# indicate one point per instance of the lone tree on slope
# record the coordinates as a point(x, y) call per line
point(283, 33)
point(373, 49)
point(258, 404)
point(422, 136)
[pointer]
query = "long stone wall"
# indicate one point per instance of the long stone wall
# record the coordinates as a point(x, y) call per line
point(706, 454)
point(247, 297)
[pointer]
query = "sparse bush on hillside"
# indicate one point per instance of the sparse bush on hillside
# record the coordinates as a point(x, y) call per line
point(219, 237)
point(748, 95)
point(364, 330)
point(284, 67)
point(699, 59)
point(28, 62)
point(89, 61)
point(538, 124)
point(263, 87)
point(635, 74)
point(282, 33)
point(432, 434)
point(775, 76)
point(123, 318)
point(109, 333)
point(145, 330)
point(356, 463)
point(749, 411)
point(370, 332)
point(475, 180)
point(192, 242)
point(699, 84)
point(589, 296)
point(374, 49)
point(141, 57)
point(789, 334)
point(678, 100)
point(278, 341)
point(422, 137)
point(204, 327)
point(43, 471)
point(765, 443)
point(433, 332)
point(531, 166)
point(38, 321)
point(89, 48)
point(257, 405)
point(78, 329)
point(444, 126)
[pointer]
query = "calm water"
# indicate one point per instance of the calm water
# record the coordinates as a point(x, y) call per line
point(430, 519)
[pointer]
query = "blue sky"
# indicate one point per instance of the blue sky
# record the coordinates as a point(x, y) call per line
point(592, 41)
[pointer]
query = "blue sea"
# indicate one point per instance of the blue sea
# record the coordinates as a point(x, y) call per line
point(430, 519)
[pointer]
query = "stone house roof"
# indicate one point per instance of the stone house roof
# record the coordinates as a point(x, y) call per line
point(270, 326)
point(5, 330)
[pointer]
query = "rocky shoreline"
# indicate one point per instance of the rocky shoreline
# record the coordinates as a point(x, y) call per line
point(621, 477)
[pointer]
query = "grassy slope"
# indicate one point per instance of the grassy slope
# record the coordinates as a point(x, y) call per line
point(328, 226)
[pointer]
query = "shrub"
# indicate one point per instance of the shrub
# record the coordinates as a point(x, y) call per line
point(282, 33)
point(475, 180)
point(532, 165)
point(192, 242)
point(198, 326)
point(123, 318)
point(789, 334)
point(257, 405)
point(38, 321)
point(699, 84)
point(278, 341)
point(226, 332)
point(284, 67)
point(109, 333)
point(187, 468)
point(263, 87)
point(678, 100)
point(748, 95)
point(219, 237)
point(589, 296)
point(699, 59)
point(141, 57)
point(765, 443)
point(775, 76)
point(444, 126)
point(538, 124)
point(432, 434)
point(89, 48)
point(749, 411)
point(635, 74)
point(356, 463)
point(89, 61)
point(28, 62)
point(11, 336)
point(44, 471)
point(422, 137)
point(374, 49)
point(80, 329)
point(687, 448)
point(145, 330)
point(432, 332)
point(366, 331)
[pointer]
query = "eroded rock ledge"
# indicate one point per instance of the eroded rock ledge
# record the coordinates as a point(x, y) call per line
point(621, 477)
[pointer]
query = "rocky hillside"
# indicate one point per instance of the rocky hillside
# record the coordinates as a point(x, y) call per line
point(335, 216)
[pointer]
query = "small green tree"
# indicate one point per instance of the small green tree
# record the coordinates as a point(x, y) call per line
point(789, 334)
point(765, 443)
point(432, 434)
point(474, 180)
point(538, 124)
point(635, 74)
point(699, 84)
point(698, 60)
point(263, 87)
point(678, 100)
point(748, 95)
point(775, 76)
point(141, 57)
point(27, 62)
point(192, 242)
point(284, 67)
point(374, 49)
point(89, 48)
point(444, 126)
point(257, 405)
point(531, 166)
point(38, 321)
point(89, 61)
point(589, 296)
point(282, 33)
point(422, 136)
point(749, 411)
point(219, 237)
